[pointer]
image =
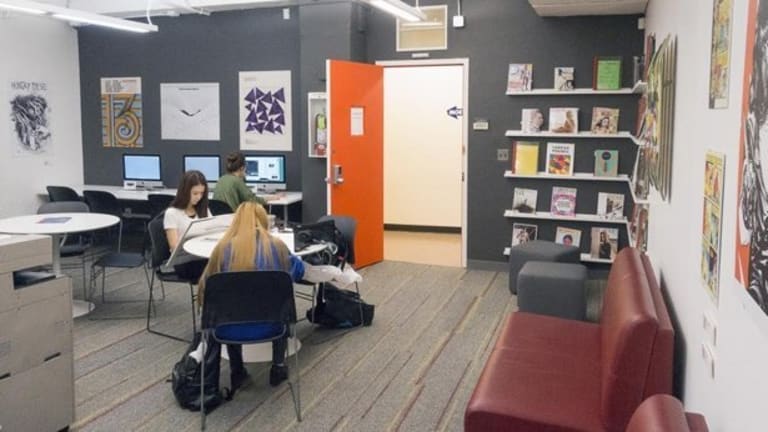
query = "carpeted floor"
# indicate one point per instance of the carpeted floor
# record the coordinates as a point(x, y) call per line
point(413, 370)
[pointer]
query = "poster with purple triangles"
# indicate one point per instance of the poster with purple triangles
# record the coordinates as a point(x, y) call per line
point(264, 109)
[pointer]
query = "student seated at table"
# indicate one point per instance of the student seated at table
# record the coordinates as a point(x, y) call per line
point(247, 245)
point(190, 203)
point(231, 187)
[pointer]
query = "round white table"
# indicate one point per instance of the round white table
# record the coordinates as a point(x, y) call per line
point(58, 225)
point(203, 247)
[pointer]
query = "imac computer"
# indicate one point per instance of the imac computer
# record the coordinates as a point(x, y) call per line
point(266, 173)
point(209, 165)
point(142, 171)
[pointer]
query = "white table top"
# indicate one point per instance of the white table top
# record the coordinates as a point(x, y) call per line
point(57, 223)
point(203, 246)
point(278, 198)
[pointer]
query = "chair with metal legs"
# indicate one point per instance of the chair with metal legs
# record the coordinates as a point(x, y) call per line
point(80, 245)
point(249, 307)
point(347, 227)
point(62, 193)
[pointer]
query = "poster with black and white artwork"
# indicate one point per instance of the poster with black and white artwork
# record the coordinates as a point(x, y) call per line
point(30, 117)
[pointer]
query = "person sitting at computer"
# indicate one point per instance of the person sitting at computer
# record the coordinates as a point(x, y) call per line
point(190, 203)
point(231, 187)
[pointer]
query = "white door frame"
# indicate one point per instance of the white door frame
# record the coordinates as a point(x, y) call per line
point(464, 63)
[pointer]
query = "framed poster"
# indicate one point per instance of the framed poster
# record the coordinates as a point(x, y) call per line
point(720, 58)
point(711, 223)
point(189, 111)
point(265, 111)
point(121, 112)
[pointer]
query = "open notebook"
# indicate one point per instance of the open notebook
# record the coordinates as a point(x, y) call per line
point(197, 228)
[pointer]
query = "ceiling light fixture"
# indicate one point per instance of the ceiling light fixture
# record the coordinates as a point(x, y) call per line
point(399, 9)
point(74, 15)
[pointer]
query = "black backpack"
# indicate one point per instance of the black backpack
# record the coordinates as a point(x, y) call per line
point(341, 309)
point(185, 380)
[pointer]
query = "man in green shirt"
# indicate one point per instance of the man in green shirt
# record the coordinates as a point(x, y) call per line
point(231, 187)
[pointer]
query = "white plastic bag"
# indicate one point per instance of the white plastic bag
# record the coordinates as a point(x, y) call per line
point(320, 273)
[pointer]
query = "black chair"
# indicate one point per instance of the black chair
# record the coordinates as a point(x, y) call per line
point(237, 309)
point(71, 246)
point(106, 202)
point(158, 203)
point(159, 253)
point(347, 227)
point(219, 207)
point(62, 193)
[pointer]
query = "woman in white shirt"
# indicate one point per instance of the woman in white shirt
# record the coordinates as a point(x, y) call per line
point(191, 203)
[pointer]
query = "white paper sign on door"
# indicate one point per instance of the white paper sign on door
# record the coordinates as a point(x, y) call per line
point(356, 115)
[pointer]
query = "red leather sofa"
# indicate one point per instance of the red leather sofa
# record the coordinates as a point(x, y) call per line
point(664, 413)
point(552, 374)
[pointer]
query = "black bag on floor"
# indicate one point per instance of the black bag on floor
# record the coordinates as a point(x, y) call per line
point(341, 309)
point(185, 380)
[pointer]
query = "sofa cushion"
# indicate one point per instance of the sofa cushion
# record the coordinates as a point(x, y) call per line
point(664, 413)
point(662, 358)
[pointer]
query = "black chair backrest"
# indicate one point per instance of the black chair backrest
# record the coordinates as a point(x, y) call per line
point(218, 207)
point(102, 202)
point(347, 226)
point(248, 296)
point(160, 251)
point(62, 193)
point(159, 202)
point(63, 207)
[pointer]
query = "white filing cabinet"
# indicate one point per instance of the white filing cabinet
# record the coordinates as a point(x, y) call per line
point(36, 361)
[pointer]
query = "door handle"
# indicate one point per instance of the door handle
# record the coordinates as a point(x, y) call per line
point(336, 176)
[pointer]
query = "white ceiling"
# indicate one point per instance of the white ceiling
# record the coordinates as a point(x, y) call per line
point(588, 7)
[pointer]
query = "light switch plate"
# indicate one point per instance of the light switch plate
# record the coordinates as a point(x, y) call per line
point(502, 154)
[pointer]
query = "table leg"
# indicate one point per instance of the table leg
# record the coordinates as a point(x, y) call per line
point(56, 258)
point(285, 215)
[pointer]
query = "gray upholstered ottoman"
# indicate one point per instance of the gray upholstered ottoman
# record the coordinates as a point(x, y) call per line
point(555, 289)
point(538, 250)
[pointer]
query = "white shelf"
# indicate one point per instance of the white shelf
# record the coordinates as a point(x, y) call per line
point(638, 88)
point(574, 177)
point(585, 257)
point(585, 134)
point(579, 217)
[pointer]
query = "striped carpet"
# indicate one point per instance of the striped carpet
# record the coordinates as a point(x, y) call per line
point(413, 370)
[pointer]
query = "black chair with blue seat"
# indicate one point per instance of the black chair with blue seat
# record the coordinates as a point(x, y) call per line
point(249, 307)
point(158, 203)
point(107, 203)
point(62, 193)
point(159, 252)
point(76, 245)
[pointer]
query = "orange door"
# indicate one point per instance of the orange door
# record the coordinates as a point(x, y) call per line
point(356, 153)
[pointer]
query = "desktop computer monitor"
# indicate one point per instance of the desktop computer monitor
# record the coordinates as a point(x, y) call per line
point(265, 172)
point(141, 170)
point(209, 165)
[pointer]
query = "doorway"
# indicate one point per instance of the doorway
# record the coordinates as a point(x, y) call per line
point(425, 135)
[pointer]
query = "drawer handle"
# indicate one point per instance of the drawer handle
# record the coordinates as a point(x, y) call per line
point(52, 356)
point(7, 375)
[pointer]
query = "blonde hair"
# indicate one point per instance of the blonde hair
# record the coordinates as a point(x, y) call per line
point(247, 236)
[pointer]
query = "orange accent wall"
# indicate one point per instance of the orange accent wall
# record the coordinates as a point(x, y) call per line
point(361, 157)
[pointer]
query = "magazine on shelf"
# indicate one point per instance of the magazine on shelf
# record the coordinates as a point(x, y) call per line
point(532, 120)
point(519, 77)
point(563, 201)
point(606, 163)
point(560, 158)
point(564, 78)
point(568, 236)
point(525, 157)
point(523, 233)
point(638, 226)
point(564, 120)
point(610, 205)
point(604, 243)
point(605, 121)
point(524, 200)
point(606, 73)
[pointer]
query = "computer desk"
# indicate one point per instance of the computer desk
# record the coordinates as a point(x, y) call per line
point(283, 199)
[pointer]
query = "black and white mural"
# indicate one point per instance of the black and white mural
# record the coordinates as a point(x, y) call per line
point(30, 117)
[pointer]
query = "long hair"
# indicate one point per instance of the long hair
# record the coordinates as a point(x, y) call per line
point(249, 243)
point(235, 161)
point(189, 180)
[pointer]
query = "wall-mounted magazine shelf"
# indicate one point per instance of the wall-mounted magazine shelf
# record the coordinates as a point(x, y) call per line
point(638, 88)
point(578, 217)
point(585, 257)
point(619, 135)
point(575, 176)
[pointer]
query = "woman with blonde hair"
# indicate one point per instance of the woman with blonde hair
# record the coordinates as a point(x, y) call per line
point(245, 246)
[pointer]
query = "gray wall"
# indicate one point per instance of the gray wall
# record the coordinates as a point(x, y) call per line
point(190, 48)
point(499, 32)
